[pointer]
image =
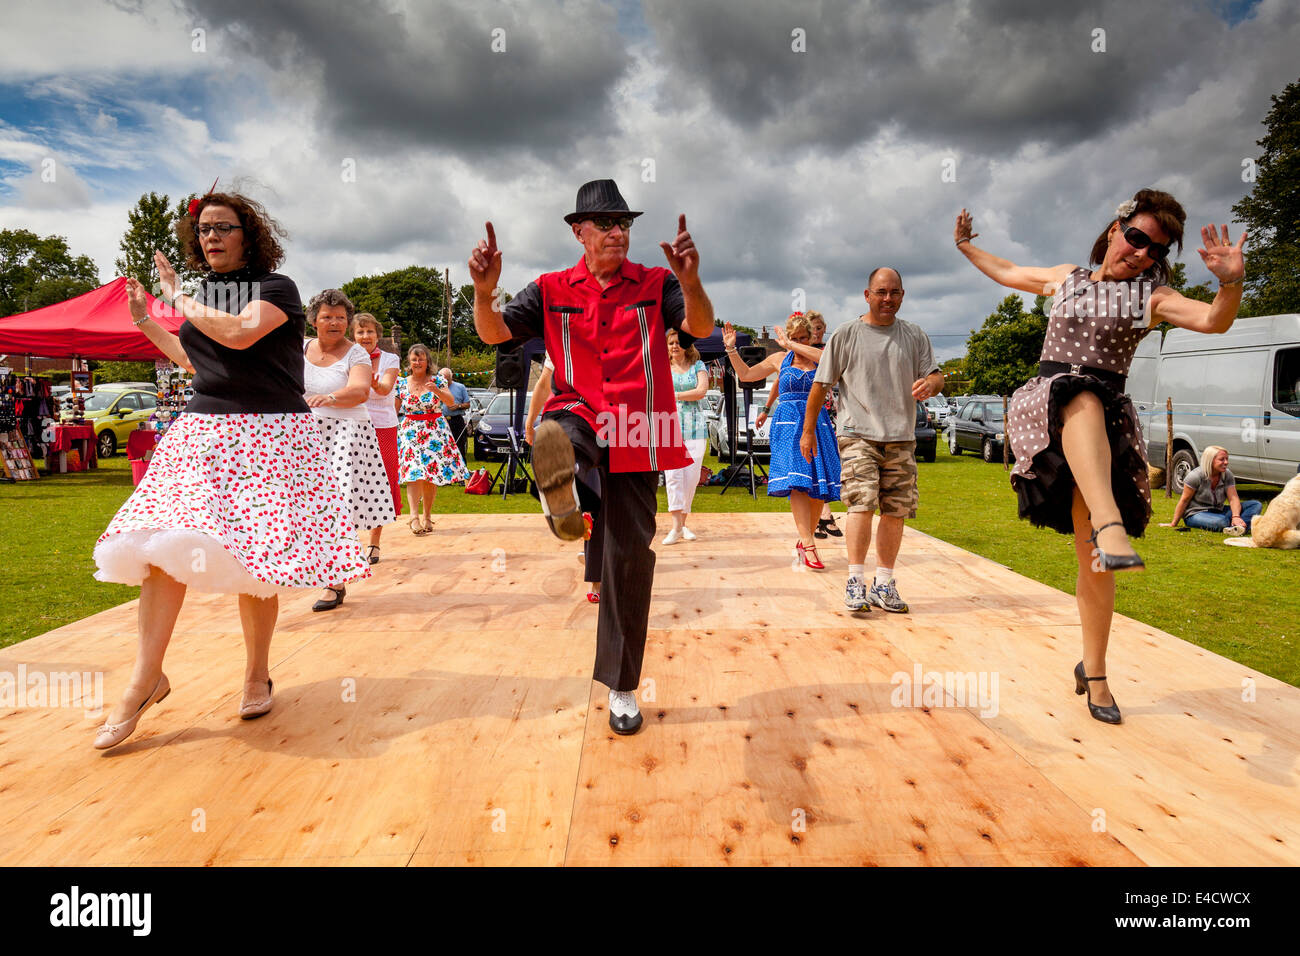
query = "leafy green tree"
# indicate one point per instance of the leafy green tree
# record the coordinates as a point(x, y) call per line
point(37, 271)
point(1003, 354)
point(415, 299)
point(149, 228)
point(123, 372)
point(1272, 213)
point(956, 379)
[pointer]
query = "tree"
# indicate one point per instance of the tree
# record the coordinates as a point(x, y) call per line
point(1003, 354)
point(38, 271)
point(415, 299)
point(1272, 212)
point(956, 380)
point(150, 227)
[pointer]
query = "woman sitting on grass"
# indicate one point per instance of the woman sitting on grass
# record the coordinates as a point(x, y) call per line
point(1210, 500)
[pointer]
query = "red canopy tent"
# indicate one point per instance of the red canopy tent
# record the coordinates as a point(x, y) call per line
point(96, 325)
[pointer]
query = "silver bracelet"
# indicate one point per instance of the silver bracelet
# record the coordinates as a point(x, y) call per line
point(1224, 285)
point(960, 241)
point(140, 321)
point(732, 351)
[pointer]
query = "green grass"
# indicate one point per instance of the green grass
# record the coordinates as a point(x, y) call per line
point(1236, 602)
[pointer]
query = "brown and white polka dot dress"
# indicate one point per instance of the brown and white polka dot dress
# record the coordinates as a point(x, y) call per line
point(1098, 325)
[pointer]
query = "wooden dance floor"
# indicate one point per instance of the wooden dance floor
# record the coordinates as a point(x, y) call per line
point(446, 715)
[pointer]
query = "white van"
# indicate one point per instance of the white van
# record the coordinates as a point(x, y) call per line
point(1239, 390)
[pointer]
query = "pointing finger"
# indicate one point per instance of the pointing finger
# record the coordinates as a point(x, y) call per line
point(681, 223)
point(491, 236)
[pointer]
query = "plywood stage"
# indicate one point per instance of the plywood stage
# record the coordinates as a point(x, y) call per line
point(445, 715)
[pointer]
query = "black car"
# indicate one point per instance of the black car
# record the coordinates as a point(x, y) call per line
point(491, 441)
point(927, 439)
point(978, 427)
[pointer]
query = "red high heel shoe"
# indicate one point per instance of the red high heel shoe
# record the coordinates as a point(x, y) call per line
point(814, 562)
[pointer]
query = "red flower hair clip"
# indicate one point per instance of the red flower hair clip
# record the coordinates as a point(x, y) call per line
point(194, 203)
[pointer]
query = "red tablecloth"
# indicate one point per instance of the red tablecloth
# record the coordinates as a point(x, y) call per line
point(139, 443)
point(65, 435)
point(64, 438)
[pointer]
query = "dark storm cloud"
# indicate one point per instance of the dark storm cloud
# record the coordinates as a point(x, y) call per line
point(984, 76)
point(429, 77)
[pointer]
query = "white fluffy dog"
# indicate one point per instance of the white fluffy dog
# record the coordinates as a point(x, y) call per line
point(1277, 527)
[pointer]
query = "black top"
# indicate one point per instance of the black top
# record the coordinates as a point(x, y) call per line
point(266, 377)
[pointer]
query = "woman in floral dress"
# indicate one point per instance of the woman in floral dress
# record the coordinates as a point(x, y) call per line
point(427, 454)
point(1080, 460)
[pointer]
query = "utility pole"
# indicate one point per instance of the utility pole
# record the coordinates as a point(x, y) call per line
point(447, 290)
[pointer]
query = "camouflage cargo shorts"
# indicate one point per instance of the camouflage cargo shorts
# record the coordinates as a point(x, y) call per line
point(878, 476)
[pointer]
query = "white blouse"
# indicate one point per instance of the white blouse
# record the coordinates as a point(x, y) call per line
point(332, 378)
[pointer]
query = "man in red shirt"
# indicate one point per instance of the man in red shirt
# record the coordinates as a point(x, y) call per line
point(610, 425)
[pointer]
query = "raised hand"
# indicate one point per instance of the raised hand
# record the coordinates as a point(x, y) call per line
point(729, 335)
point(963, 228)
point(1224, 260)
point(682, 256)
point(485, 263)
point(779, 334)
point(166, 275)
point(135, 299)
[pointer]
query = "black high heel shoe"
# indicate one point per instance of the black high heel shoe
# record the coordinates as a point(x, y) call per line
point(1114, 562)
point(827, 526)
point(1107, 715)
point(340, 592)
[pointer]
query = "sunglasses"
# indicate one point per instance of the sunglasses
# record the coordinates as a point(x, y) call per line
point(606, 223)
point(222, 228)
point(1138, 239)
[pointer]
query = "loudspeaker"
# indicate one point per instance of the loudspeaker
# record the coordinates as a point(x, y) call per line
point(752, 354)
point(511, 371)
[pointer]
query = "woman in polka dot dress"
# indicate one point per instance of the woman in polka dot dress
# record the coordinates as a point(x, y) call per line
point(239, 497)
point(1080, 461)
point(337, 376)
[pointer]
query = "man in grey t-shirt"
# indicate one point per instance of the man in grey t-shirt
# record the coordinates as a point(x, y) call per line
point(883, 365)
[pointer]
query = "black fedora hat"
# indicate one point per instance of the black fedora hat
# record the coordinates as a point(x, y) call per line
point(600, 197)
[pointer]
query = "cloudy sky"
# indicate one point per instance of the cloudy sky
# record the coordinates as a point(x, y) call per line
point(806, 142)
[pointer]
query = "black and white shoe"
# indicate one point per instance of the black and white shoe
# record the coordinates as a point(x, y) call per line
point(624, 715)
point(554, 466)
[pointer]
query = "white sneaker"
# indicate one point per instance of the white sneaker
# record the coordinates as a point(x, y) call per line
point(688, 534)
point(672, 537)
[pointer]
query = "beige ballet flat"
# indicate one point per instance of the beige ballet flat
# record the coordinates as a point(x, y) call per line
point(251, 707)
point(110, 735)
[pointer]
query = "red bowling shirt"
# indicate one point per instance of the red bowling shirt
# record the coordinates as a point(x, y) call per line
point(611, 357)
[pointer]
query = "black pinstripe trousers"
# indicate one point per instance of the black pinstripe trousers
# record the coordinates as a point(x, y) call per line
point(622, 506)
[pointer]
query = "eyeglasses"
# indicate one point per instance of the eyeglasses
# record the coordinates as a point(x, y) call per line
point(1138, 239)
point(606, 223)
point(889, 293)
point(222, 228)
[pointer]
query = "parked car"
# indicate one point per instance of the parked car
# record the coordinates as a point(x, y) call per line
point(720, 443)
point(491, 439)
point(927, 438)
point(1239, 390)
point(940, 411)
point(116, 410)
point(978, 427)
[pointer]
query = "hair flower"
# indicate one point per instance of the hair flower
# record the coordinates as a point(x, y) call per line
point(1125, 209)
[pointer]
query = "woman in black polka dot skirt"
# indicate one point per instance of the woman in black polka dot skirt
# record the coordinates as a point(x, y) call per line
point(1080, 460)
point(337, 377)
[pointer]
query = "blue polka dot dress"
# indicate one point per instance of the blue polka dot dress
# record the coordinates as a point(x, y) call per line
point(789, 471)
